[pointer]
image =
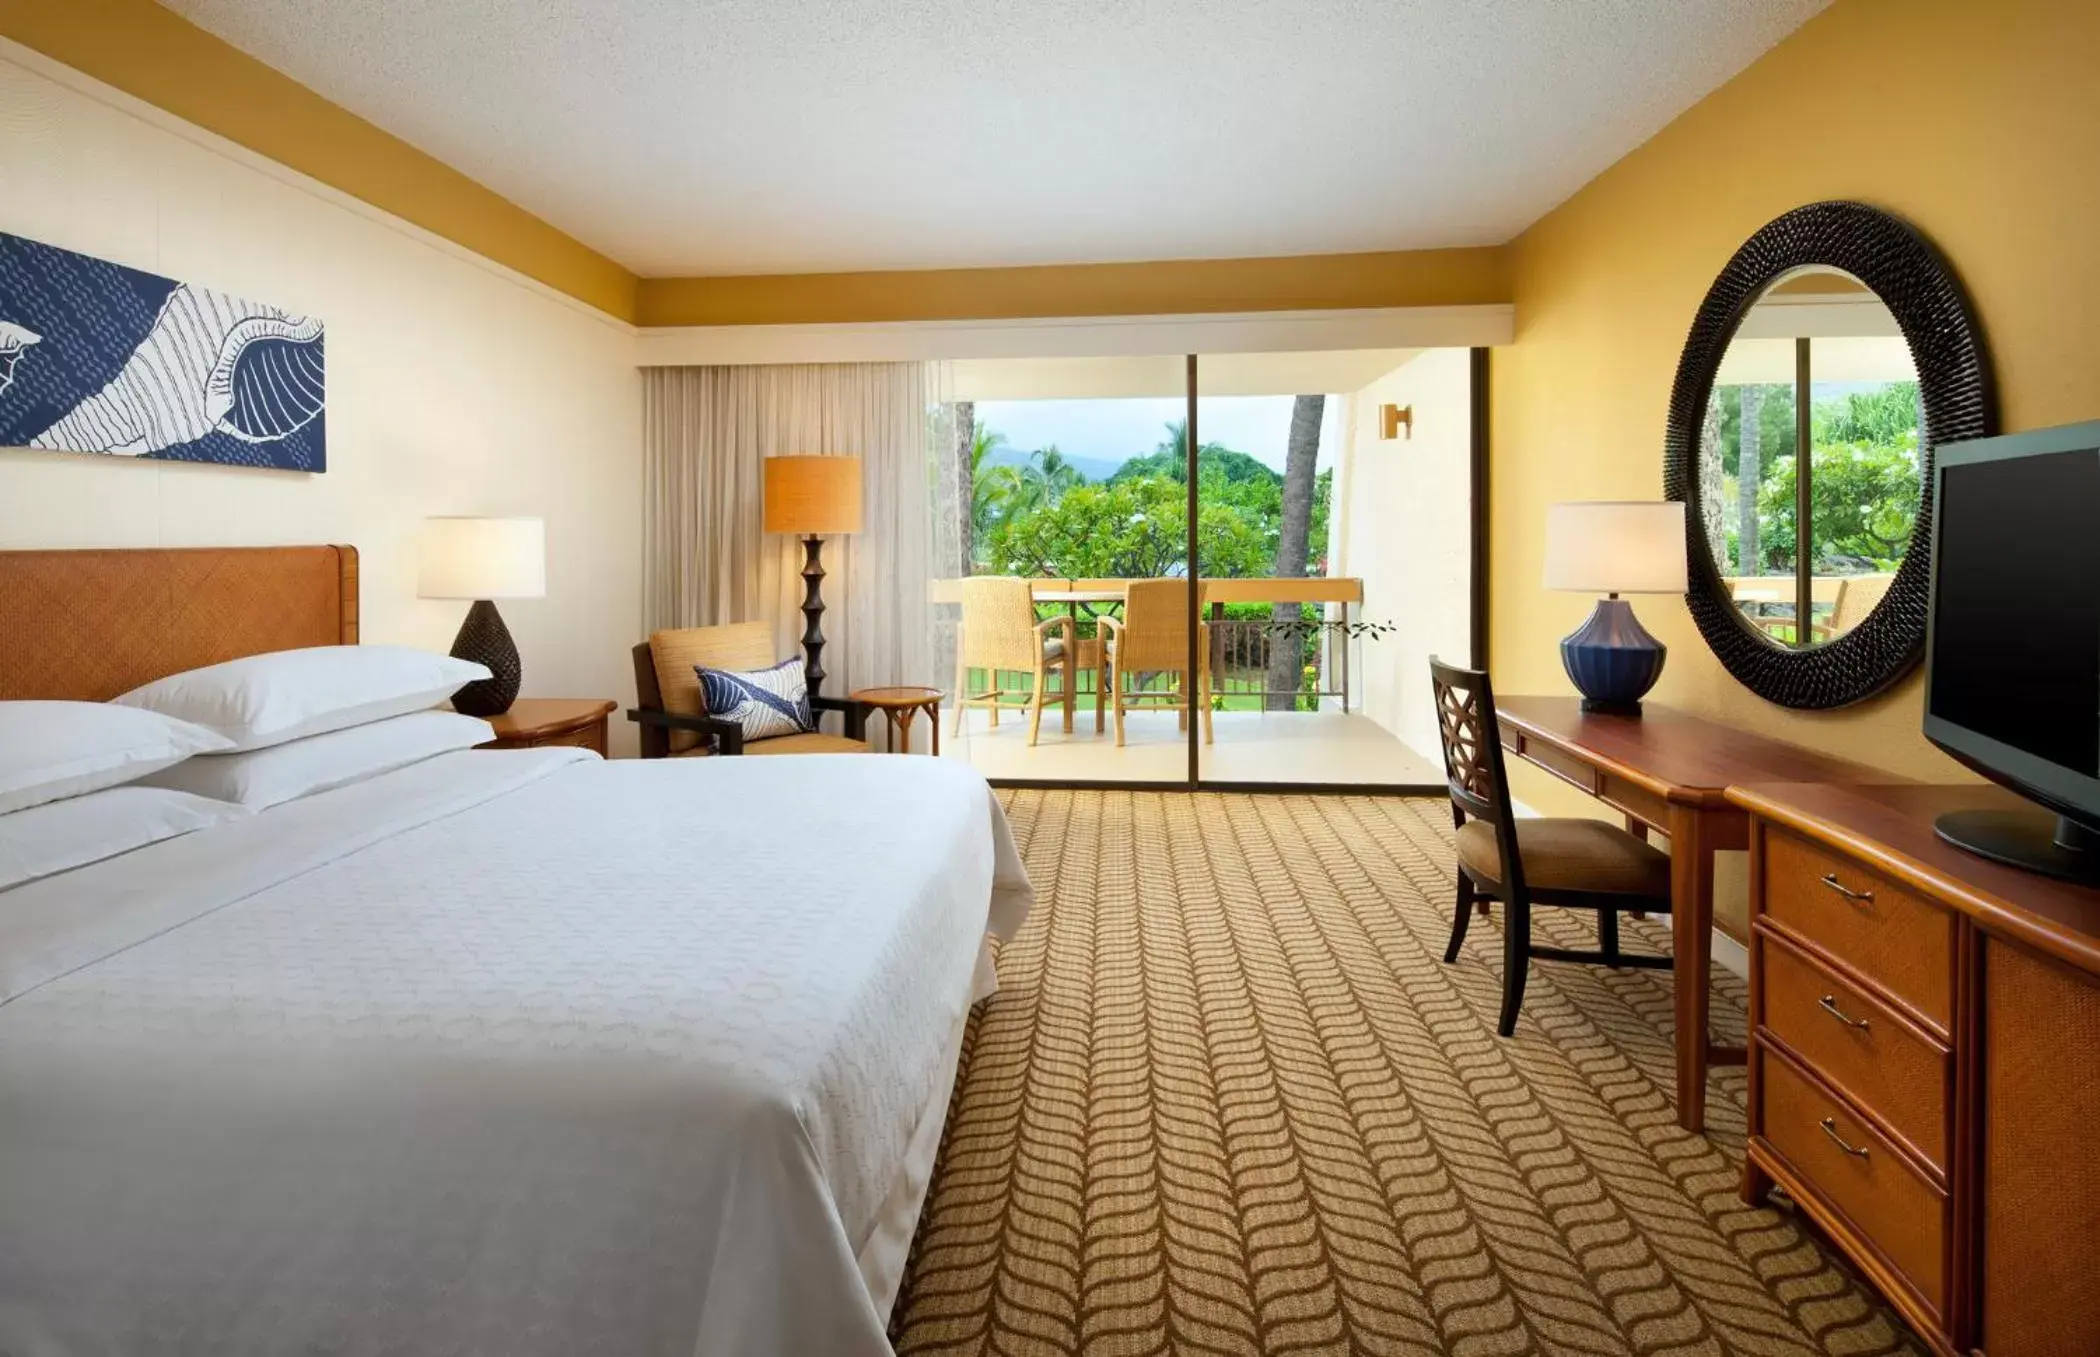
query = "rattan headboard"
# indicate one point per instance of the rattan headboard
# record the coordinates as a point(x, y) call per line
point(88, 625)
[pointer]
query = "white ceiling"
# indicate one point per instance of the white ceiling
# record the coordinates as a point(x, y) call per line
point(755, 136)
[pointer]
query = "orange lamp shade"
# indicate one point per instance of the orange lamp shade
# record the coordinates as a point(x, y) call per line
point(812, 496)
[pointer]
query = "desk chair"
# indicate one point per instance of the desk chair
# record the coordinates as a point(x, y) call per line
point(1570, 863)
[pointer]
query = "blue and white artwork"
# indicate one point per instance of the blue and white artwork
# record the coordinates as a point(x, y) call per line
point(96, 357)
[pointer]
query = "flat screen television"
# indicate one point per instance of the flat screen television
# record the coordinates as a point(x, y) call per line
point(2012, 652)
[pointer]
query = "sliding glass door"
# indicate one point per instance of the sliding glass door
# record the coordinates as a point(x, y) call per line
point(1217, 570)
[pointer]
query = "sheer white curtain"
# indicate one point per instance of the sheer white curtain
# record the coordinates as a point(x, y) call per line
point(707, 432)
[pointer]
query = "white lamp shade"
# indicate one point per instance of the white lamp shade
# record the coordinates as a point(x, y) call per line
point(479, 558)
point(1616, 547)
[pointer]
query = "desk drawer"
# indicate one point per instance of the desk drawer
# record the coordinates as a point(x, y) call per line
point(1556, 761)
point(1887, 1202)
point(1857, 1044)
point(1899, 941)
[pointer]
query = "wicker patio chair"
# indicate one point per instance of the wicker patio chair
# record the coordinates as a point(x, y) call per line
point(998, 634)
point(1153, 637)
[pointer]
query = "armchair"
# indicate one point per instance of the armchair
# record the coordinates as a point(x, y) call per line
point(1000, 634)
point(672, 714)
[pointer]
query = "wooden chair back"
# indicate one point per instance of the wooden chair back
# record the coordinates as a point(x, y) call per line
point(1155, 626)
point(998, 622)
point(1473, 771)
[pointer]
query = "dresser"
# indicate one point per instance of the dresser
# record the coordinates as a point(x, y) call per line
point(1925, 1062)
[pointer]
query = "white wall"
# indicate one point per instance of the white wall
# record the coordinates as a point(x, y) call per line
point(454, 386)
point(1404, 508)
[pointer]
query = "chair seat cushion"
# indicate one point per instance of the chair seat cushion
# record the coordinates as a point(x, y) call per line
point(1571, 855)
point(815, 742)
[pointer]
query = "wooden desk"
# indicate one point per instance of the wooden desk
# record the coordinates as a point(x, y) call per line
point(1670, 772)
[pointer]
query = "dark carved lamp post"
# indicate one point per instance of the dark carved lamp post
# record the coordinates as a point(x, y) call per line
point(812, 497)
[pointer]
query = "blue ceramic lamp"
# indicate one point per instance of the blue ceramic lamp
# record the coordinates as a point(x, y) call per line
point(1613, 548)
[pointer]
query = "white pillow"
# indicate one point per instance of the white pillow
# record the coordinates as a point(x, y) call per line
point(262, 778)
point(84, 829)
point(265, 700)
point(52, 750)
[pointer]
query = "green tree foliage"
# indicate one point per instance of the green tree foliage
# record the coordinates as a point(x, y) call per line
point(1045, 518)
point(1865, 486)
point(1127, 529)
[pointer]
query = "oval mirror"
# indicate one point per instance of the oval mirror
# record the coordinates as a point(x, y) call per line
point(1838, 331)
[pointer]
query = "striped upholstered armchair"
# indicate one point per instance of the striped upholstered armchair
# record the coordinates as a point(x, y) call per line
point(672, 710)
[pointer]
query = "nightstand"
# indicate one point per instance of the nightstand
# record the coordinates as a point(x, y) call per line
point(535, 721)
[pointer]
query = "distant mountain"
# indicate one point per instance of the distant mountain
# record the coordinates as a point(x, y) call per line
point(1095, 469)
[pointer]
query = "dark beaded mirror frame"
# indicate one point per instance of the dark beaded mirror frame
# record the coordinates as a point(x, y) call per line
point(1955, 389)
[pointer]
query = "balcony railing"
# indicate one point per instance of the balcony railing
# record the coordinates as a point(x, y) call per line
point(1241, 645)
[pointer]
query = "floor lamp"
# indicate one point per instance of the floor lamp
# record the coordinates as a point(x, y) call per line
point(812, 497)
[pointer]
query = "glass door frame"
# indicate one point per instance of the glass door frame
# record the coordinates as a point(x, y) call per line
point(1478, 373)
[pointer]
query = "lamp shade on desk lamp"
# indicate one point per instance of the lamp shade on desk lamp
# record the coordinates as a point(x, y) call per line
point(482, 560)
point(812, 497)
point(1612, 548)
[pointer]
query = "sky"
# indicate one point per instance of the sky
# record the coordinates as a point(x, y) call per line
point(1112, 430)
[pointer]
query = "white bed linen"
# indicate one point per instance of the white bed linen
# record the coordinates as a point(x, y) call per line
point(502, 1052)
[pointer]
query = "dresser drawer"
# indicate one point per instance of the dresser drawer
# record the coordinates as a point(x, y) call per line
point(1886, 1201)
point(1858, 1044)
point(1894, 938)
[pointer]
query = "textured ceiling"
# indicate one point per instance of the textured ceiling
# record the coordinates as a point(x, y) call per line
point(755, 136)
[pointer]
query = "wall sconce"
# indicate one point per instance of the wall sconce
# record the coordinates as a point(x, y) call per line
point(1391, 417)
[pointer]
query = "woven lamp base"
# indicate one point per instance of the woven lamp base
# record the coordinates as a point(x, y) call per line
point(485, 640)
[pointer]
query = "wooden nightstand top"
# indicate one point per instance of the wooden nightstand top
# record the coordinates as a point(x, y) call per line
point(552, 720)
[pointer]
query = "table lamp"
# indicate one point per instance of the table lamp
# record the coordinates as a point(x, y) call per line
point(1614, 548)
point(484, 559)
point(812, 496)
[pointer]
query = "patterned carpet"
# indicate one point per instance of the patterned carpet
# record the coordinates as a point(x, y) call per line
point(1230, 1100)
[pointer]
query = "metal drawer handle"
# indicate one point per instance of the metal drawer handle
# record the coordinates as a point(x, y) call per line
point(1829, 1004)
point(1830, 1129)
point(1856, 897)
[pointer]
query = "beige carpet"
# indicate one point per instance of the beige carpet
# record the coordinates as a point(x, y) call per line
point(1229, 1099)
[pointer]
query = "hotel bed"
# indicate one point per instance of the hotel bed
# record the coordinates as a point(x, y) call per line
point(503, 1051)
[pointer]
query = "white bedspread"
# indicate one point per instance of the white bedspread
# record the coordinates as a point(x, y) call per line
point(516, 1052)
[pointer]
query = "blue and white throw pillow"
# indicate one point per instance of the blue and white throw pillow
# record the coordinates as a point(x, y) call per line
point(765, 702)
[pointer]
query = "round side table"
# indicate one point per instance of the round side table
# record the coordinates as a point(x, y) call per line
point(900, 705)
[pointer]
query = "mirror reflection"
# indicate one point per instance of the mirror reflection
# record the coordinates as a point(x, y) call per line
point(1818, 361)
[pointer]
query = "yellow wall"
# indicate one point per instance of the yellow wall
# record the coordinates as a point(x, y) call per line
point(1466, 277)
point(1979, 123)
point(153, 54)
point(453, 387)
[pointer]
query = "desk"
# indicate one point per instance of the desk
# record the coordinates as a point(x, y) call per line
point(1670, 772)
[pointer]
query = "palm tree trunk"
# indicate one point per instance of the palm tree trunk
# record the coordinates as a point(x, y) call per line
point(1710, 506)
point(965, 490)
point(1293, 539)
point(1749, 471)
